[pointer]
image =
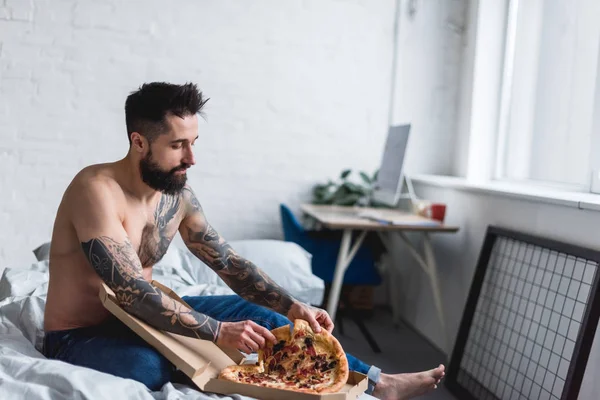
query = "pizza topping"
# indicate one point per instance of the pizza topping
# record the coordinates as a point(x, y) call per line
point(279, 346)
point(326, 367)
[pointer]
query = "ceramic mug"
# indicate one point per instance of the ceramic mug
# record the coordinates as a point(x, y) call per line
point(431, 210)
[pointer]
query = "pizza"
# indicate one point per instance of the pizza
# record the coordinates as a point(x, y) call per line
point(302, 361)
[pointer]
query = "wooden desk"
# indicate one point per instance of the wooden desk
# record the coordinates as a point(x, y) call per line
point(348, 219)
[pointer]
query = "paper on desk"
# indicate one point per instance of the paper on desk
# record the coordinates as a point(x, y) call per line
point(406, 223)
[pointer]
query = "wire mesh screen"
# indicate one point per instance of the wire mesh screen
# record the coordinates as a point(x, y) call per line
point(528, 325)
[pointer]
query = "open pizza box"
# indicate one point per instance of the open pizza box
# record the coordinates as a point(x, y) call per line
point(202, 360)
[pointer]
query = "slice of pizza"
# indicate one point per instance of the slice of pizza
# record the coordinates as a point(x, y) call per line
point(302, 361)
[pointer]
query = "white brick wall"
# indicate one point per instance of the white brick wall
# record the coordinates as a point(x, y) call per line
point(299, 90)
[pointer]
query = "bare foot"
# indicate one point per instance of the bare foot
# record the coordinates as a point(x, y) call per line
point(406, 386)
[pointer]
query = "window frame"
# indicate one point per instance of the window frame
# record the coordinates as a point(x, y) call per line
point(500, 136)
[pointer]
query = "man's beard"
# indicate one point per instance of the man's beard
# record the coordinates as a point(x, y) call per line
point(157, 179)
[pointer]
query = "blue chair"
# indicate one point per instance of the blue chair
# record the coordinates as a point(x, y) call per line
point(324, 247)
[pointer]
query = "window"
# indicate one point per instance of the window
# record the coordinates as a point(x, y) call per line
point(548, 92)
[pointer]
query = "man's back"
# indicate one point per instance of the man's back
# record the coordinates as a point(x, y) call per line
point(72, 300)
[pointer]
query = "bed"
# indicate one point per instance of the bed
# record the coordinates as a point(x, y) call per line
point(26, 373)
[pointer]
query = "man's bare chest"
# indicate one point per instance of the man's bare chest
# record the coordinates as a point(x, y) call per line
point(151, 232)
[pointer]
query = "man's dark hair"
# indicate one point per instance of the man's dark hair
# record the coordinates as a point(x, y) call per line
point(146, 108)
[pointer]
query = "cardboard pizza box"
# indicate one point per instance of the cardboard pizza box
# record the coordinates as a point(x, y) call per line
point(202, 360)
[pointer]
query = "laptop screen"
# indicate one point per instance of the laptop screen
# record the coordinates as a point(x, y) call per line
point(389, 179)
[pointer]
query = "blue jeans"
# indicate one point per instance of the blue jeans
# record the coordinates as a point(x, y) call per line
point(115, 349)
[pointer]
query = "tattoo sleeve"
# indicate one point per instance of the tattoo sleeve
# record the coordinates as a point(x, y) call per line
point(118, 265)
point(245, 278)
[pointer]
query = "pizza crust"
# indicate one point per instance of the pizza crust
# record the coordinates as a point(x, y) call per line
point(282, 333)
point(231, 373)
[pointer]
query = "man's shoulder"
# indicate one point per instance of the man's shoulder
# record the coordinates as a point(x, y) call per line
point(190, 199)
point(96, 182)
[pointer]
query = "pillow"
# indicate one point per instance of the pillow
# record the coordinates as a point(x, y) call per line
point(288, 264)
point(42, 252)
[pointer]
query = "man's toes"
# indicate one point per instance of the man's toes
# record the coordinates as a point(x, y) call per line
point(439, 371)
point(429, 381)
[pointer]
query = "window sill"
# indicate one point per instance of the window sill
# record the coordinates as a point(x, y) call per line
point(583, 201)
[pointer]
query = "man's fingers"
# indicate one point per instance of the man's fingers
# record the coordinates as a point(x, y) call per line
point(316, 327)
point(249, 346)
point(265, 333)
point(257, 338)
point(325, 321)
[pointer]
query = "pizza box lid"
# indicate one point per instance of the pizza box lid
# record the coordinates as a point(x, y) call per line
point(202, 360)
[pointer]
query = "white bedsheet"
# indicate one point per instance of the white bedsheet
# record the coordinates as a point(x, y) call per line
point(26, 374)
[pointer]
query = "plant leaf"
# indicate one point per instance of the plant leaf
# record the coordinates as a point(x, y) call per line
point(375, 176)
point(348, 200)
point(345, 173)
point(354, 188)
point(328, 197)
point(365, 178)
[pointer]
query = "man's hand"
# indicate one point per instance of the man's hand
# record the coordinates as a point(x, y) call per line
point(246, 336)
point(316, 317)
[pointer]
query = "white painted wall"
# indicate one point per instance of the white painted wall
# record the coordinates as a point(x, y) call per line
point(430, 49)
point(457, 256)
point(299, 90)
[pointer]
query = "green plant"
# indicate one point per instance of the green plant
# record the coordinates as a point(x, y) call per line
point(345, 192)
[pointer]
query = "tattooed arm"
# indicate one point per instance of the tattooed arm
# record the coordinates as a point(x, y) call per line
point(106, 245)
point(241, 275)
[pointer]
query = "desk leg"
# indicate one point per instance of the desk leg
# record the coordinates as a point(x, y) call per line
point(435, 284)
point(345, 256)
point(429, 266)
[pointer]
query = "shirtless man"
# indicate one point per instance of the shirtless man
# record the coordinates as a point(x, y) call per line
point(116, 221)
